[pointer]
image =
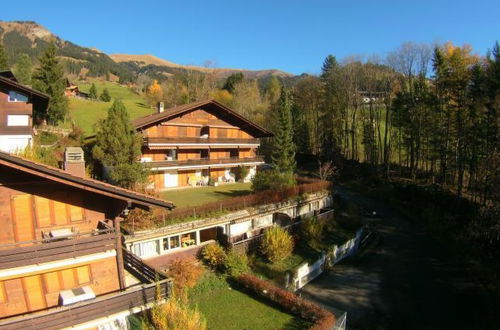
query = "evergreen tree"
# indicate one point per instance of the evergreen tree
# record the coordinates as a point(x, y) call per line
point(105, 97)
point(283, 155)
point(4, 65)
point(118, 147)
point(22, 69)
point(49, 79)
point(232, 81)
point(93, 92)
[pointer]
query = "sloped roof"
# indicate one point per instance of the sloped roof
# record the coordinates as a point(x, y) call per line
point(223, 112)
point(8, 78)
point(95, 186)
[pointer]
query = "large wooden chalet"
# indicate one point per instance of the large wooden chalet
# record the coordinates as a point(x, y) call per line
point(199, 142)
point(61, 257)
point(17, 103)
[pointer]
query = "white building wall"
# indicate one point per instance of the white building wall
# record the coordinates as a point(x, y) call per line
point(14, 143)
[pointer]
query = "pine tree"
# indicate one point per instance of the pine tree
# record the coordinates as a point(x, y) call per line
point(22, 69)
point(93, 92)
point(118, 147)
point(4, 64)
point(49, 79)
point(105, 97)
point(283, 155)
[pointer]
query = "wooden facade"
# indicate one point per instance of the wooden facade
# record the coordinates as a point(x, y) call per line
point(189, 144)
point(38, 201)
point(17, 103)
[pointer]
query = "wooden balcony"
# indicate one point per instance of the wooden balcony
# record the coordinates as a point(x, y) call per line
point(169, 142)
point(205, 162)
point(86, 311)
point(46, 250)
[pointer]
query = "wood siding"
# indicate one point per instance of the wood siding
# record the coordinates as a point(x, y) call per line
point(31, 206)
point(41, 290)
point(13, 108)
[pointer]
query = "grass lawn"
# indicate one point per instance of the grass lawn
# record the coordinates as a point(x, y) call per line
point(227, 309)
point(85, 113)
point(202, 195)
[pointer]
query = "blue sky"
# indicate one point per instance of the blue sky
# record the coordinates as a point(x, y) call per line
point(293, 36)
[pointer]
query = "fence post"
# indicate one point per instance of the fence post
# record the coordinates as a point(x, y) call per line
point(194, 211)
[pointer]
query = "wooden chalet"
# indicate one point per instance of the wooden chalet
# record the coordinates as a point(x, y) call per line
point(61, 257)
point(72, 90)
point(197, 143)
point(17, 103)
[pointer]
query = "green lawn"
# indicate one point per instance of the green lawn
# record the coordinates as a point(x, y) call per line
point(202, 195)
point(227, 308)
point(85, 113)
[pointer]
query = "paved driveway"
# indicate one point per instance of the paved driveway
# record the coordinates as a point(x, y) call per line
point(405, 282)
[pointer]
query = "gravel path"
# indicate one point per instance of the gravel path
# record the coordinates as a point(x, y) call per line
point(406, 281)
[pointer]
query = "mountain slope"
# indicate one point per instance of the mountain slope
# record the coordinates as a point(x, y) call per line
point(28, 37)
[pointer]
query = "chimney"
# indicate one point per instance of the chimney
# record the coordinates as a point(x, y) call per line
point(74, 163)
point(161, 107)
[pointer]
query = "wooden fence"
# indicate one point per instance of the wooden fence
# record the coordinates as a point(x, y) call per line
point(140, 269)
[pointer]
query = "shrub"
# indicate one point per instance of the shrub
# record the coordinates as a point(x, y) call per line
point(140, 219)
point(236, 264)
point(277, 244)
point(312, 232)
point(176, 315)
point(321, 318)
point(184, 272)
point(213, 255)
point(272, 180)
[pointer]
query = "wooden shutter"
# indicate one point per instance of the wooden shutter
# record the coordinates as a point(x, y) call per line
point(68, 277)
point(33, 292)
point(3, 296)
point(83, 273)
point(51, 281)
point(42, 207)
point(60, 215)
point(23, 218)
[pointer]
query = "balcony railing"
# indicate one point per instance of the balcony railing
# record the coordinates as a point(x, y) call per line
point(86, 311)
point(204, 161)
point(34, 252)
point(193, 140)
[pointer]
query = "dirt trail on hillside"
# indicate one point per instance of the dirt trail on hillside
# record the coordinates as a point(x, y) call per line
point(405, 282)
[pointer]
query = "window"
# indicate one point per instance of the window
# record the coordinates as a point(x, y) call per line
point(165, 244)
point(174, 242)
point(147, 249)
point(18, 120)
point(17, 97)
point(188, 239)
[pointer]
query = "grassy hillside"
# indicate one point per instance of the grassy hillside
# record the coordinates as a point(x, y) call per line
point(85, 113)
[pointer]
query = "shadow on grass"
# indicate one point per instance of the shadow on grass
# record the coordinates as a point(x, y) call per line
point(142, 105)
point(233, 193)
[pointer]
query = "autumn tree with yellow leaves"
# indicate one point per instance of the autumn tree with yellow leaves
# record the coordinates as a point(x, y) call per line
point(154, 93)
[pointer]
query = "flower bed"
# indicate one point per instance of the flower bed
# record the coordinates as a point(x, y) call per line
point(320, 317)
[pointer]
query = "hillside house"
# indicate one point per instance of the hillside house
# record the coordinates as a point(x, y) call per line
point(61, 258)
point(195, 143)
point(17, 103)
point(72, 90)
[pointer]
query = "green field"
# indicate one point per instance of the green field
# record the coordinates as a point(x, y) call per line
point(227, 308)
point(85, 113)
point(202, 195)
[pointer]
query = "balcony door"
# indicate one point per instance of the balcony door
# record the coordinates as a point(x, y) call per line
point(22, 217)
point(171, 179)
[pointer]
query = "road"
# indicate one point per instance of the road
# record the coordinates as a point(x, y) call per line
point(406, 281)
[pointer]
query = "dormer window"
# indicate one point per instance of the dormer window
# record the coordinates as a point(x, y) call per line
point(17, 97)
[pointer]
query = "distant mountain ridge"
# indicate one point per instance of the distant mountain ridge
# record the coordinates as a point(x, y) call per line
point(31, 38)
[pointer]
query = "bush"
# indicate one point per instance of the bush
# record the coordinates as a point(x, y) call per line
point(185, 273)
point(236, 264)
point(277, 244)
point(176, 315)
point(213, 255)
point(321, 318)
point(312, 232)
point(272, 180)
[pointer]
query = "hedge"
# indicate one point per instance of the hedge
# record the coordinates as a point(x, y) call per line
point(289, 301)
